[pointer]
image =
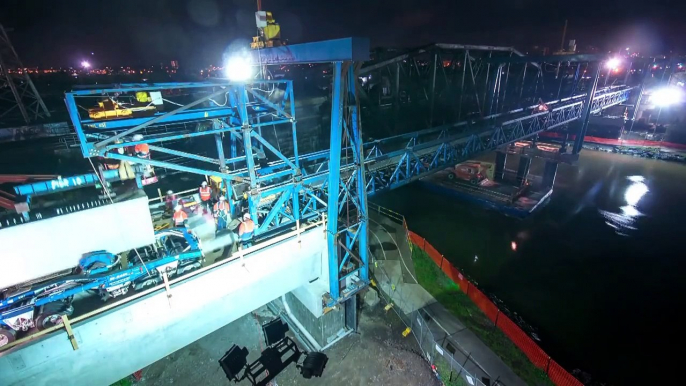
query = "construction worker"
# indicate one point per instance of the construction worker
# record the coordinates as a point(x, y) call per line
point(222, 212)
point(171, 200)
point(141, 150)
point(246, 230)
point(205, 195)
point(180, 217)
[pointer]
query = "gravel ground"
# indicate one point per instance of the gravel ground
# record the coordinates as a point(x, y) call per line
point(376, 355)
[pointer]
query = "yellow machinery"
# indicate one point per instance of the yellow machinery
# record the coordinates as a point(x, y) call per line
point(269, 31)
point(111, 109)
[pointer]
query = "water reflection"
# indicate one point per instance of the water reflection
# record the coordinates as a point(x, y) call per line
point(625, 220)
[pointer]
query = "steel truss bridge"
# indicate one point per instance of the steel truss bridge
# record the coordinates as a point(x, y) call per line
point(473, 99)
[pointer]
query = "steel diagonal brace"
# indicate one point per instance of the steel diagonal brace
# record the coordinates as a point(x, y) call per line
point(274, 211)
point(268, 103)
point(187, 155)
point(169, 165)
point(274, 150)
point(158, 119)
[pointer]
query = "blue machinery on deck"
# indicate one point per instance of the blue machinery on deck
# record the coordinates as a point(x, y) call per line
point(292, 187)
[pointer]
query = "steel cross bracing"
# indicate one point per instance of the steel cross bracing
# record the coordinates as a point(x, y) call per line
point(441, 84)
point(281, 193)
point(399, 160)
point(285, 188)
point(20, 102)
point(229, 112)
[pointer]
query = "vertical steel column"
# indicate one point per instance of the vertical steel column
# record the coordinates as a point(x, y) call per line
point(247, 144)
point(521, 90)
point(297, 184)
point(559, 88)
point(357, 143)
point(488, 71)
point(507, 77)
point(433, 89)
point(396, 101)
point(464, 73)
point(295, 136)
point(334, 180)
point(586, 115)
point(222, 160)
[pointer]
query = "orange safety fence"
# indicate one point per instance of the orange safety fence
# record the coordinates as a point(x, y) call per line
point(535, 354)
point(484, 303)
point(558, 375)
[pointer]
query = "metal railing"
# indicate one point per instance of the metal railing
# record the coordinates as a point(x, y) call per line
point(166, 285)
point(439, 353)
point(440, 356)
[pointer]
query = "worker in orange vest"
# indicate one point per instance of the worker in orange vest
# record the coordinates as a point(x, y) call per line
point(246, 230)
point(205, 195)
point(180, 217)
point(141, 150)
point(222, 212)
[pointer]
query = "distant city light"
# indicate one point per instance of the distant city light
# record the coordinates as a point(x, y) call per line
point(667, 96)
point(85, 64)
point(612, 63)
point(513, 245)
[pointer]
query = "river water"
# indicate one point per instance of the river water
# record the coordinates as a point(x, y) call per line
point(598, 271)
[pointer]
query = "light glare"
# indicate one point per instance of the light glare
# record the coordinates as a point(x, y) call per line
point(238, 69)
point(667, 96)
point(635, 192)
point(612, 63)
point(85, 64)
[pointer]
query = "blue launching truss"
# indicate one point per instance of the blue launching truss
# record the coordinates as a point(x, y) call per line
point(286, 188)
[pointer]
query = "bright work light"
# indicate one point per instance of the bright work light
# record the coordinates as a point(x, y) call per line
point(238, 68)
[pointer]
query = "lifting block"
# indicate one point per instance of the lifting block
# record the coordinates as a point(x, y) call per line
point(70, 333)
point(388, 307)
point(407, 332)
point(372, 282)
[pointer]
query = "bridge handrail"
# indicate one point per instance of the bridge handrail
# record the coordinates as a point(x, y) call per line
point(240, 255)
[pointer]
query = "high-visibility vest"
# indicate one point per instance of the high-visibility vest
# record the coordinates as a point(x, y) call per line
point(205, 193)
point(246, 229)
point(221, 206)
point(180, 217)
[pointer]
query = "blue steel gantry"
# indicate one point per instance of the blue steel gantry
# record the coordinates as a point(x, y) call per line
point(283, 188)
point(280, 194)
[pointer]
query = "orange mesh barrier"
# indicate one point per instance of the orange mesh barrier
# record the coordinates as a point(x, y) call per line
point(484, 303)
point(560, 376)
point(416, 239)
point(535, 354)
point(434, 254)
point(456, 276)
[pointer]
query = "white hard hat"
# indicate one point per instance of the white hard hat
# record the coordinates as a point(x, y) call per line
point(204, 183)
point(178, 208)
point(170, 192)
point(222, 198)
point(138, 137)
point(246, 216)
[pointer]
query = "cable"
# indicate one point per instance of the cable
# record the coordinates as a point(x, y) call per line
point(107, 191)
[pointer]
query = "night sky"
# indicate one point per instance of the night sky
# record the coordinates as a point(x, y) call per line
point(196, 32)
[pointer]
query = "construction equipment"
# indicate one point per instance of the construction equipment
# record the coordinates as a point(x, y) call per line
point(268, 31)
point(40, 304)
point(111, 109)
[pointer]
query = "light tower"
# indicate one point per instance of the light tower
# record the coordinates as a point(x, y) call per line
point(19, 99)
